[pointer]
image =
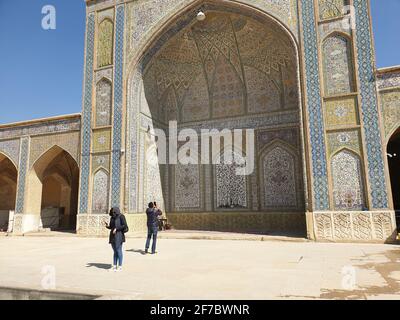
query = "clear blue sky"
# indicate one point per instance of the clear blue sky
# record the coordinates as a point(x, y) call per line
point(41, 71)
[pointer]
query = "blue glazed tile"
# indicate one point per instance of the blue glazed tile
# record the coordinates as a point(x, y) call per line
point(87, 116)
point(369, 106)
point(118, 99)
point(318, 150)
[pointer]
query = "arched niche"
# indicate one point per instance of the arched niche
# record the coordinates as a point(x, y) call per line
point(52, 190)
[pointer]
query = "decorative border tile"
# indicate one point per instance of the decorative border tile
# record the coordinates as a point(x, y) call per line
point(313, 95)
point(87, 115)
point(369, 105)
point(118, 99)
point(23, 166)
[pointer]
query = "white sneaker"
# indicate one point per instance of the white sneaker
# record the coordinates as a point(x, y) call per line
point(113, 268)
point(119, 269)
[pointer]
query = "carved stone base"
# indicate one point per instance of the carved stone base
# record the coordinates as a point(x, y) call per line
point(93, 224)
point(352, 226)
point(24, 223)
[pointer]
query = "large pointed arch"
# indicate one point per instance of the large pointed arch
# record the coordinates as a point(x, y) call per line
point(52, 190)
point(8, 189)
point(165, 65)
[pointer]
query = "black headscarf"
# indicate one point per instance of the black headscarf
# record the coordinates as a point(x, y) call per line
point(115, 212)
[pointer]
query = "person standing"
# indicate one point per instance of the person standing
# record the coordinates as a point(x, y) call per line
point(152, 226)
point(118, 227)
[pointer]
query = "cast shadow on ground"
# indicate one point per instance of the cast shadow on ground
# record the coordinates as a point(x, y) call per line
point(99, 265)
point(142, 252)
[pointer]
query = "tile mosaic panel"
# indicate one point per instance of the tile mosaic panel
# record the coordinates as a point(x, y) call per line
point(390, 102)
point(344, 139)
point(341, 112)
point(67, 141)
point(87, 115)
point(228, 66)
point(347, 181)
point(231, 189)
point(329, 9)
point(313, 97)
point(388, 80)
point(22, 172)
point(100, 161)
point(11, 149)
point(279, 179)
point(51, 126)
point(105, 43)
point(103, 103)
point(365, 56)
point(118, 100)
point(143, 16)
point(101, 140)
point(101, 187)
point(338, 74)
point(187, 187)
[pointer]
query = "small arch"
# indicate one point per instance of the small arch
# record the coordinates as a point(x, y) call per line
point(277, 141)
point(105, 43)
point(232, 190)
point(338, 68)
point(101, 190)
point(8, 189)
point(103, 106)
point(347, 180)
point(334, 33)
point(393, 158)
point(280, 187)
point(4, 155)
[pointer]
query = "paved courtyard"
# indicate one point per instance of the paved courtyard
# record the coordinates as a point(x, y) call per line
point(205, 269)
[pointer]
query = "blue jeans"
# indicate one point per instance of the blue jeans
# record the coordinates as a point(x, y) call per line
point(151, 231)
point(117, 254)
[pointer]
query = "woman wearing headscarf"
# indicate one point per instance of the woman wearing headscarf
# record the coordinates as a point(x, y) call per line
point(117, 227)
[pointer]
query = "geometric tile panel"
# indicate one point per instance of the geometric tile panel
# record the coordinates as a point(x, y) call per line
point(10, 148)
point(389, 80)
point(337, 61)
point(390, 111)
point(369, 107)
point(118, 99)
point(344, 139)
point(101, 140)
point(23, 164)
point(87, 115)
point(347, 181)
point(341, 112)
point(313, 96)
point(67, 141)
point(329, 9)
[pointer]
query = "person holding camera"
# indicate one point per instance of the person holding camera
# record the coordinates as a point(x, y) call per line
point(118, 227)
point(152, 213)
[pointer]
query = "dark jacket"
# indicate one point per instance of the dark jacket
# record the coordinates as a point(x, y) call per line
point(152, 216)
point(118, 222)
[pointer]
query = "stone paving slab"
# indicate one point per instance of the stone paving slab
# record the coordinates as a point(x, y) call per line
point(197, 269)
point(183, 234)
